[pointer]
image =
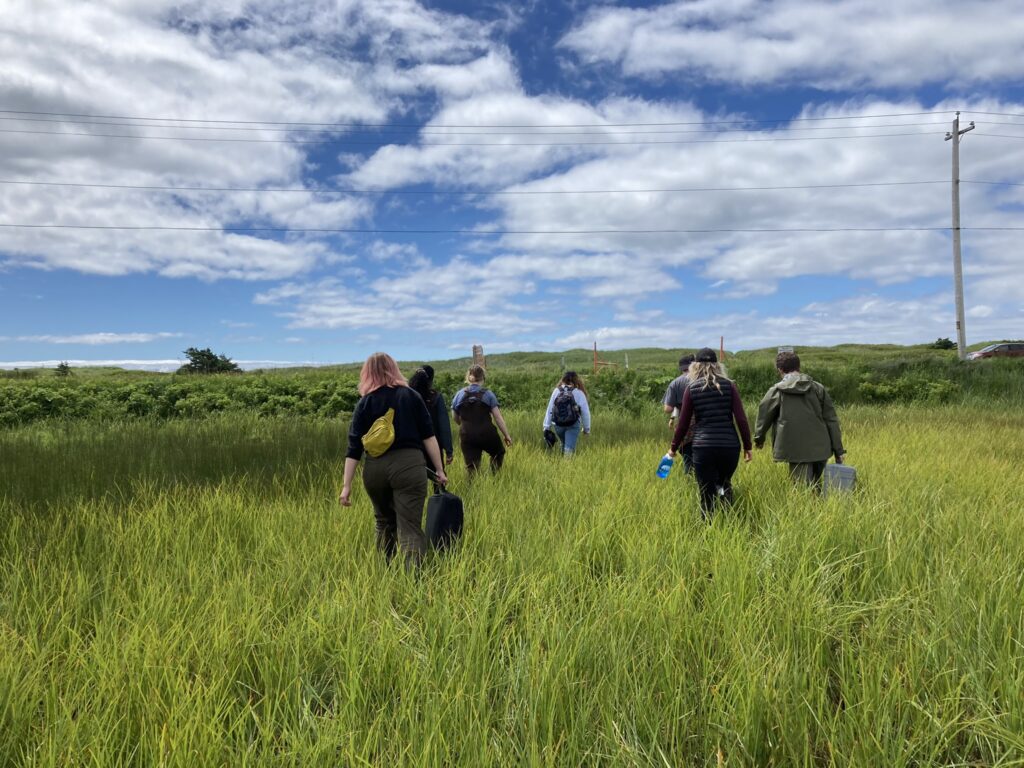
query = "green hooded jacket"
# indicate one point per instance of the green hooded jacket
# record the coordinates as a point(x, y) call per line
point(804, 424)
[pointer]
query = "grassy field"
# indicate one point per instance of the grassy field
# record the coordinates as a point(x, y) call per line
point(190, 593)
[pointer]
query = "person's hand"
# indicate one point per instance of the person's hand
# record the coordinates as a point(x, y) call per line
point(345, 497)
point(671, 453)
point(508, 441)
point(748, 456)
point(440, 477)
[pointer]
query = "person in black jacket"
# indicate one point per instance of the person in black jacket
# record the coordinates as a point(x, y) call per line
point(423, 382)
point(396, 479)
point(714, 403)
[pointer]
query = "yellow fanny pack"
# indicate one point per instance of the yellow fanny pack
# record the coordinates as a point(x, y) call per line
point(381, 434)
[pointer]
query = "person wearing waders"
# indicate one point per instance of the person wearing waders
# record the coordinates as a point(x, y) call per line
point(568, 412)
point(474, 407)
point(671, 402)
point(805, 427)
point(713, 401)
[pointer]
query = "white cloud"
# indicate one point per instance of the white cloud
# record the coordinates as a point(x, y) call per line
point(866, 319)
point(533, 182)
point(428, 300)
point(96, 339)
point(498, 157)
point(162, 365)
point(403, 254)
point(360, 61)
point(346, 61)
point(835, 45)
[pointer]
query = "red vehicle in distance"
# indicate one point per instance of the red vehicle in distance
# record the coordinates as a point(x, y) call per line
point(1003, 349)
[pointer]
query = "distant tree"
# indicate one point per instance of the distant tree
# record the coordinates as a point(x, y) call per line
point(63, 369)
point(206, 361)
point(944, 344)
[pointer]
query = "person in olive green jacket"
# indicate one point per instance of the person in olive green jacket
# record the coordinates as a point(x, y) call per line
point(805, 428)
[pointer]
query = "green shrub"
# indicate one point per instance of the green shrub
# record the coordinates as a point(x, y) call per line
point(900, 375)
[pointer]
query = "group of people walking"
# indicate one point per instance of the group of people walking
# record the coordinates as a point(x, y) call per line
point(403, 429)
point(711, 425)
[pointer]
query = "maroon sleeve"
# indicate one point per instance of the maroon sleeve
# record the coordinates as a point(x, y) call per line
point(741, 419)
point(683, 424)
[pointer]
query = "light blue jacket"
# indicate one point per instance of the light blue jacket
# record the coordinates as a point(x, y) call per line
point(581, 401)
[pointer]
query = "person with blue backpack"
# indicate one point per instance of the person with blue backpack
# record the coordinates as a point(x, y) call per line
point(568, 413)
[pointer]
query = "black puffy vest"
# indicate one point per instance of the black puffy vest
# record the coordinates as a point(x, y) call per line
point(712, 409)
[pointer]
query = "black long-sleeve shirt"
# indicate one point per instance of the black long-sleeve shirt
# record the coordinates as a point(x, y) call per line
point(442, 424)
point(412, 421)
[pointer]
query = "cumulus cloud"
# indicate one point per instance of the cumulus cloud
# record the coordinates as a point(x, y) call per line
point(96, 339)
point(428, 300)
point(866, 318)
point(729, 179)
point(260, 60)
point(620, 170)
point(835, 45)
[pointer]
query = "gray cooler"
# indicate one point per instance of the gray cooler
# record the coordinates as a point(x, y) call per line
point(838, 477)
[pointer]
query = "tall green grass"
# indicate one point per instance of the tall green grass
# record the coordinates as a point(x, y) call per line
point(190, 593)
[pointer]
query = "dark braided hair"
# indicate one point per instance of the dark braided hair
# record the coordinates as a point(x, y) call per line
point(423, 382)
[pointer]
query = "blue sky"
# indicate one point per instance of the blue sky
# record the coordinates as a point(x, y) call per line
point(547, 145)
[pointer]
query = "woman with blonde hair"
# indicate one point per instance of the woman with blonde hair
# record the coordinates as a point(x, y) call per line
point(714, 403)
point(392, 426)
point(474, 407)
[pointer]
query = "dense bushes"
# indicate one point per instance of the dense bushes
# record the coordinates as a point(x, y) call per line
point(330, 393)
point(175, 396)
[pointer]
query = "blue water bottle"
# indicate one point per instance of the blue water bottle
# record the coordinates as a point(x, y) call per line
point(665, 466)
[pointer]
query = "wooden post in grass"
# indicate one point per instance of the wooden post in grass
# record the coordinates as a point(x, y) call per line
point(599, 364)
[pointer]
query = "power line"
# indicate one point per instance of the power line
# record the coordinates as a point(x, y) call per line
point(993, 183)
point(1001, 135)
point(434, 131)
point(350, 143)
point(480, 233)
point(997, 114)
point(468, 193)
point(470, 125)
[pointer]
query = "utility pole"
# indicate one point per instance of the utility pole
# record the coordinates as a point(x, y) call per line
point(958, 270)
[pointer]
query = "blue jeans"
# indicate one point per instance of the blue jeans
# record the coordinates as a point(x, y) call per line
point(569, 436)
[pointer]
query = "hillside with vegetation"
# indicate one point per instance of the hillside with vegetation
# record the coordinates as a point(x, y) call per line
point(522, 380)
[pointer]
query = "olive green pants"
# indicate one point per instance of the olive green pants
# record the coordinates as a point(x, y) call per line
point(808, 472)
point(397, 486)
